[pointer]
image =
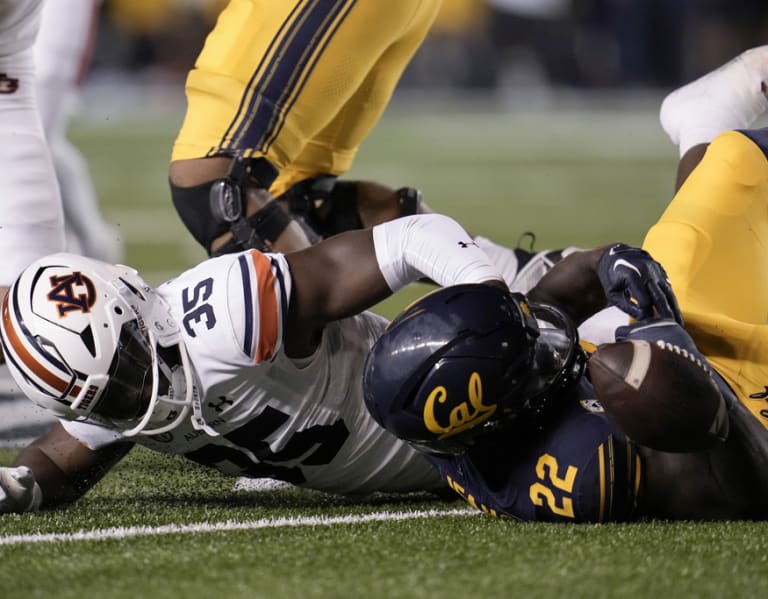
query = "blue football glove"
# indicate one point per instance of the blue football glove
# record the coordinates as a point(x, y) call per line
point(637, 284)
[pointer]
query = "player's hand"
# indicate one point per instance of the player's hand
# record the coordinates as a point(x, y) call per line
point(637, 284)
point(19, 492)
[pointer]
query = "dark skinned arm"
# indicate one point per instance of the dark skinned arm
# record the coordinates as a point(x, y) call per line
point(341, 276)
point(64, 468)
point(573, 286)
point(319, 297)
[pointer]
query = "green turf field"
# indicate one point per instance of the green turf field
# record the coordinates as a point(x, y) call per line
point(158, 527)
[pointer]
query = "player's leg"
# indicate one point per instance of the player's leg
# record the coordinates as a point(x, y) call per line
point(62, 55)
point(31, 222)
point(278, 79)
point(712, 238)
point(730, 97)
point(370, 80)
point(272, 77)
point(354, 204)
point(703, 239)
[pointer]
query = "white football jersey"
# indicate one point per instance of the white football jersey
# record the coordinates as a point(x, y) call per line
point(302, 421)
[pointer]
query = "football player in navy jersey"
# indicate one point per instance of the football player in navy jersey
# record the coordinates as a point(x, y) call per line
point(492, 388)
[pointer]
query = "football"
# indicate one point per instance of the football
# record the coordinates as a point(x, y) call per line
point(660, 395)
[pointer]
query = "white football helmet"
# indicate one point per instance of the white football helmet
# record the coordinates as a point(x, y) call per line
point(91, 340)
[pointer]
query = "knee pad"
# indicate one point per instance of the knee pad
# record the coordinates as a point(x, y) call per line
point(193, 205)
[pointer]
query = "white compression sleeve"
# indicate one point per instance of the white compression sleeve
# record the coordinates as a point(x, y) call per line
point(433, 246)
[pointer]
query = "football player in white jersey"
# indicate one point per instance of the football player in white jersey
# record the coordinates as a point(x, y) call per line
point(31, 221)
point(250, 363)
point(62, 58)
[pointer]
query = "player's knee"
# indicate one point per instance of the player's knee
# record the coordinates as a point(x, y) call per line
point(215, 207)
point(193, 206)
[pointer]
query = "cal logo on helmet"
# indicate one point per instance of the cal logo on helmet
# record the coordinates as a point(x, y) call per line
point(461, 416)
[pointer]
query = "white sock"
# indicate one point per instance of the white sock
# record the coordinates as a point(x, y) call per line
point(730, 97)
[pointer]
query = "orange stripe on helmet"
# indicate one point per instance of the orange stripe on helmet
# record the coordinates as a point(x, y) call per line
point(29, 361)
point(268, 307)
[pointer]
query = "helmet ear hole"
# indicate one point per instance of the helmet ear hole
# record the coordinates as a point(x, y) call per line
point(87, 338)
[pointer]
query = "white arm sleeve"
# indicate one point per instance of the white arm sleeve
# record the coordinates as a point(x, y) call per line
point(433, 246)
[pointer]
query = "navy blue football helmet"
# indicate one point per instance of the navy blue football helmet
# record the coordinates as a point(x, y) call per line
point(467, 359)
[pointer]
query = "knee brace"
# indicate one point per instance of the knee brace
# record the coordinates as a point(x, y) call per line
point(211, 209)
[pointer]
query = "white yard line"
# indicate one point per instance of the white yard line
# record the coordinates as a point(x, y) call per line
point(202, 527)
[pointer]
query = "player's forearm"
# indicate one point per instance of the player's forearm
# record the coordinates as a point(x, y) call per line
point(56, 487)
point(64, 468)
point(351, 272)
point(573, 285)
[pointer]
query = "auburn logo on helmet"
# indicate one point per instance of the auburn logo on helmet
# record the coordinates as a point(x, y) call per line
point(71, 292)
point(465, 415)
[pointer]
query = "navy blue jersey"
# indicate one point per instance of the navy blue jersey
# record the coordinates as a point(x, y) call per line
point(580, 468)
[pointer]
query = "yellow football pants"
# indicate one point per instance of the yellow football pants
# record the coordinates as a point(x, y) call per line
point(300, 82)
point(713, 242)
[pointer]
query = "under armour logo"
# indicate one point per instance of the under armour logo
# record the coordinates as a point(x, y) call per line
point(759, 394)
point(71, 292)
point(8, 85)
point(222, 401)
point(466, 244)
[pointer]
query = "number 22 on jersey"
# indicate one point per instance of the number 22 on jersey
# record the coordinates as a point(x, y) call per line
point(547, 471)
